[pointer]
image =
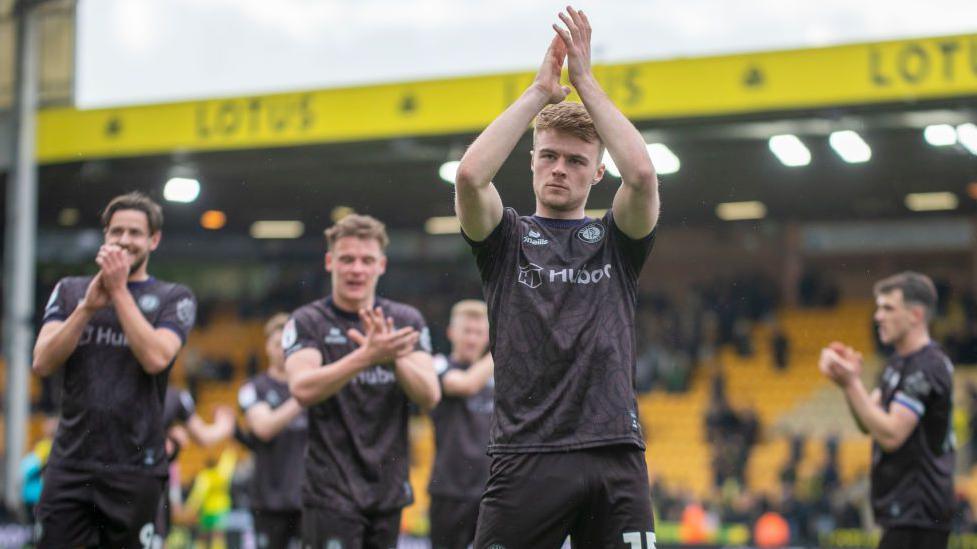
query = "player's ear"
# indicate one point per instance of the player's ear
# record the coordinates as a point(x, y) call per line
point(532, 156)
point(154, 240)
point(383, 263)
point(599, 174)
point(919, 313)
point(328, 262)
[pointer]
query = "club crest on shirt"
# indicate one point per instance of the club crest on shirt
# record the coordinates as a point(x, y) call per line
point(591, 233)
point(148, 303)
point(186, 312)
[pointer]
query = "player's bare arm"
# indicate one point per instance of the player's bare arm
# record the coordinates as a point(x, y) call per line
point(636, 203)
point(477, 201)
point(311, 382)
point(889, 429)
point(154, 348)
point(465, 383)
point(416, 376)
point(209, 434)
point(266, 422)
point(58, 339)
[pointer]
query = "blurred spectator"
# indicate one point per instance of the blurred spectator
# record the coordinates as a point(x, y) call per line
point(210, 497)
point(32, 468)
point(780, 348)
point(771, 530)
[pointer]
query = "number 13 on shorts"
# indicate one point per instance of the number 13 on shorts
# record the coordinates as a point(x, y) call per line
point(633, 539)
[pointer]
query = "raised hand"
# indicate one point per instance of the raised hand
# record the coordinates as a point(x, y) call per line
point(548, 77)
point(576, 41)
point(95, 296)
point(382, 342)
point(115, 264)
point(840, 363)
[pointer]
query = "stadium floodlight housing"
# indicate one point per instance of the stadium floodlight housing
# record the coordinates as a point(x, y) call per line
point(662, 157)
point(940, 135)
point(850, 146)
point(790, 150)
point(740, 211)
point(277, 229)
point(448, 224)
point(931, 202)
point(449, 171)
point(181, 189)
point(967, 136)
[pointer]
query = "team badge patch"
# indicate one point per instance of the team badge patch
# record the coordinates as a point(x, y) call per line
point(186, 312)
point(591, 233)
point(52, 302)
point(289, 334)
point(148, 303)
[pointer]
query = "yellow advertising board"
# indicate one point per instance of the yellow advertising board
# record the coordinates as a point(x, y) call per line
point(885, 72)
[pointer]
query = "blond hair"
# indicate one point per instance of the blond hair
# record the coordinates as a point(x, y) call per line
point(469, 308)
point(276, 323)
point(571, 118)
point(359, 226)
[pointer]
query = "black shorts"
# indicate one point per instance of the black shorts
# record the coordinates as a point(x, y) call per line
point(452, 522)
point(98, 510)
point(275, 529)
point(599, 497)
point(913, 538)
point(330, 528)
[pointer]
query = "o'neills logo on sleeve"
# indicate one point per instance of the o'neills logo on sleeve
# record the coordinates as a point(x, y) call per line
point(534, 276)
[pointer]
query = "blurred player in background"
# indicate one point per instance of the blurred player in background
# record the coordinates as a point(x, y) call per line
point(183, 424)
point(116, 334)
point(355, 360)
point(566, 444)
point(461, 427)
point(278, 427)
point(908, 415)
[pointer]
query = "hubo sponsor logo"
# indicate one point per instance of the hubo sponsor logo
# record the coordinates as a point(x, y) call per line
point(103, 335)
point(335, 337)
point(535, 239)
point(377, 375)
point(533, 275)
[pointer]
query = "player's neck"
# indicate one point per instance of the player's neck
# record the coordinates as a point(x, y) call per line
point(914, 341)
point(141, 274)
point(352, 305)
point(549, 213)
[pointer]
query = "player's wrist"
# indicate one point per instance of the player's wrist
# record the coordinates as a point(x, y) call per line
point(118, 292)
point(86, 308)
point(584, 83)
point(538, 94)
